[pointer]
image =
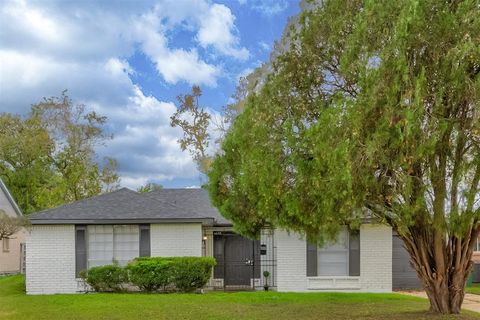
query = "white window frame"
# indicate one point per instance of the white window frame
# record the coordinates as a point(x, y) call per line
point(114, 250)
point(345, 251)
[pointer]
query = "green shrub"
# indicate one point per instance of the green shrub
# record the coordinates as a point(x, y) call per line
point(106, 278)
point(150, 274)
point(191, 273)
point(186, 274)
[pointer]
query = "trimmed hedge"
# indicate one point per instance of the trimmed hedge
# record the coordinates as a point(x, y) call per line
point(149, 274)
point(184, 274)
point(191, 273)
point(109, 278)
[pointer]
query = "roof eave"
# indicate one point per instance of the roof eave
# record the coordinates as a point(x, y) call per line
point(203, 221)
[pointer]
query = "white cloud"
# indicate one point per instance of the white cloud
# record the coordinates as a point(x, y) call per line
point(217, 29)
point(264, 46)
point(145, 144)
point(173, 64)
point(47, 47)
point(266, 7)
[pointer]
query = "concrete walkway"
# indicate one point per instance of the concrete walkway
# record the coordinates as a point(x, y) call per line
point(470, 302)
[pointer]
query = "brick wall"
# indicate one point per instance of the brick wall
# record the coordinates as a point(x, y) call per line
point(375, 263)
point(170, 240)
point(376, 258)
point(50, 259)
point(291, 262)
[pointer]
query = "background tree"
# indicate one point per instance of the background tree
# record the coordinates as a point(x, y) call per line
point(373, 109)
point(149, 187)
point(49, 158)
point(194, 121)
point(77, 132)
point(26, 163)
point(10, 225)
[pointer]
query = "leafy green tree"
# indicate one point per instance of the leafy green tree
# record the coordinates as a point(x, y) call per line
point(373, 109)
point(26, 163)
point(48, 157)
point(76, 133)
point(149, 187)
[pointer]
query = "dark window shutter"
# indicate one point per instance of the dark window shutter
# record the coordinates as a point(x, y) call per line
point(80, 249)
point(144, 240)
point(311, 260)
point(354, 253)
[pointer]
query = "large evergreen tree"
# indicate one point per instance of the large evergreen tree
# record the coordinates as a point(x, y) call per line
point(374, 108)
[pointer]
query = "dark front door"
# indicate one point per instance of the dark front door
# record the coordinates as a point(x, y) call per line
point(238, 259)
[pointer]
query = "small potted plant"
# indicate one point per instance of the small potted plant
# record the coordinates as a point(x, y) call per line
point(266, 274)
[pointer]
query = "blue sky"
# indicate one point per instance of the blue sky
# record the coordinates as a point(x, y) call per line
point(128, 60)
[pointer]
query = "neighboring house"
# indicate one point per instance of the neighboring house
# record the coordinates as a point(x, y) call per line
point(476, 260)
point(11, 248)
point(124, 224)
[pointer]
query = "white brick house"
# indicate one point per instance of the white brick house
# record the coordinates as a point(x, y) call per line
point(181, 222)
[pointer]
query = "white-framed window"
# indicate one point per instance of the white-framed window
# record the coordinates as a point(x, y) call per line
point(477, 245)
point(333, 257)
point(109, 243)
point(6, 244)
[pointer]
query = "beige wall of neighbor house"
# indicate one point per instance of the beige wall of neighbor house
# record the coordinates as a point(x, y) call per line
point(11, 253)
point(476, 252)
point(10, 249)
point(375, 264)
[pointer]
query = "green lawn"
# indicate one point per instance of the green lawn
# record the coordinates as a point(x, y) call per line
point(475, 289)
point(14, 304)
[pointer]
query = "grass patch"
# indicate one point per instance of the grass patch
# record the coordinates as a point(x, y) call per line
point(474, 289)
point(15, 304)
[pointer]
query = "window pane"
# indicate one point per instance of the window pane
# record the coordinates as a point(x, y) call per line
point(6, 244)
point(333, 257)
point(126, 243)
point(100, 245)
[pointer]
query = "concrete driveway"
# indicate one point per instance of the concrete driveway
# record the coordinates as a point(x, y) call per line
point(470, 302)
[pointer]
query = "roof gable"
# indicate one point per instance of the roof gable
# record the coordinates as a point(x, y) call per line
point(7, 203)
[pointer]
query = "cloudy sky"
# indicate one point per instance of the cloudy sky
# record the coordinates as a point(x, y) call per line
point(128, 60)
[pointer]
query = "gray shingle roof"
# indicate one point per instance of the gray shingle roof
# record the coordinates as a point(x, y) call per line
point(191, 200)
point(127, 206)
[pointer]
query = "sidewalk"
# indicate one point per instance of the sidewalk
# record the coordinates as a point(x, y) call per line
point(470, 302)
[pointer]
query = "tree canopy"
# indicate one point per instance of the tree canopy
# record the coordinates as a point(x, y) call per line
point(149, 187)
point(49, 158)
point(372, 109)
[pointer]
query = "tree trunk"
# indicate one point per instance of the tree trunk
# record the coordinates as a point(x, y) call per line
point(444, 284)
point(446, 295)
